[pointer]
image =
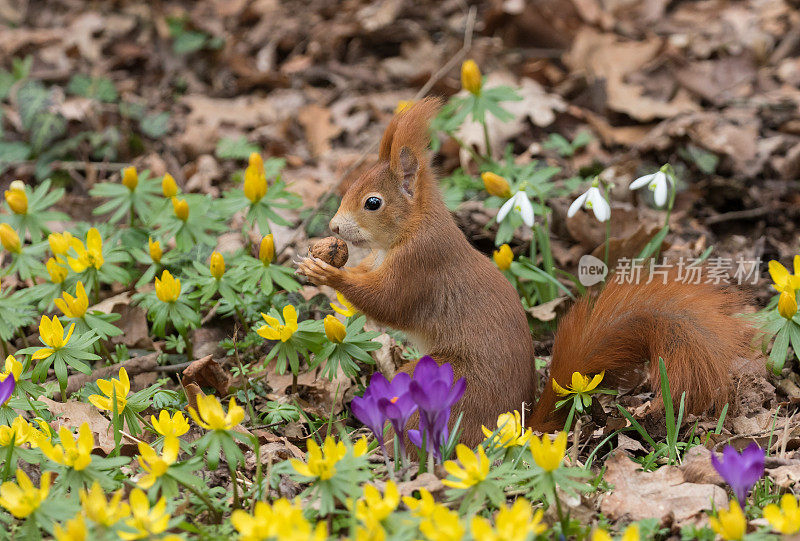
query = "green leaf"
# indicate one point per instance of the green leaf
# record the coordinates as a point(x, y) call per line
point(98, 88)
point(32, 98)
point(155, 125)
point(13, 151)
point(189, 42)
point(229, 148)
point(780, 347)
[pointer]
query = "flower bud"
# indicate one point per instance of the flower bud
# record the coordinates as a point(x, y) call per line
point(787, 303)
point(59, 242)
point(256, 162)
point(130, 178)
point(168, 288)
point(402, 105)
point(57, 273)
point(334, 329)
point(471, 77)
point(503, 257)
point(9, 239)
point(16, 197)
point(255, 182)
point(168, 186)
point(155, 250)
point(496, 185)
point(266, 252)
point(217, 265)
point(181, 208)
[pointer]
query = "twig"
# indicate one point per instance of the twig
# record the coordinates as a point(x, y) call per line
point(441, 72)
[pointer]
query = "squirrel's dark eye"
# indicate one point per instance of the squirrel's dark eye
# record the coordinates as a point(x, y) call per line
point(373, 203)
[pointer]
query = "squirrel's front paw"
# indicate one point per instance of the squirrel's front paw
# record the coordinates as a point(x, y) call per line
point(316, 270)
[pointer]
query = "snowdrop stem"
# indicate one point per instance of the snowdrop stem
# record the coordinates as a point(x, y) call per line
point(486, 139)
point(475, 156)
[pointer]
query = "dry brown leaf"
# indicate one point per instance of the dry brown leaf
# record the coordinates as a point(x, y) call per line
point(319, 129)
point(207, 372)
point(638, 495)
point(547, 310)
point(73, 414)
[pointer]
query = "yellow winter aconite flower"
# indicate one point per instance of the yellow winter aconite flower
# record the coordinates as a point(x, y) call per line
point(154, 247)
point(59, 242)
point(51, 333)
point(121, 387)
point(22, 498)
point(631, 533)
point(374, 507)
point(156, 465)
point(16, 198)
point(168, 288)
point(170, 427)
point(74, 307)
point(181, 208)
point(442, 525)
point(90, 255)
point(730, 524)
point(283, 520)
point(581, 384)
point(168, 186)
point(361, 447)
point(57, 272)
point(503, 257)
point(255, 179)
point(511, 432)
point(72, 530)
point(786, 518)
point(781, 276)
point(402, 105)
point(217, 265)
point(422, 507)
point(266, 252)
point(211, 415)
point(11, 366)
point(130, 178)
point(496, 185)
point(9, 239)
point(20, 432)
point(787, 303)
point(72, 453)
point(145, 521)
point(101, 511)
point(321, 461)
point(548, 453)
point(334, 329)
point(474, 467)
point(346, 308)
point(515, 523)
point(275, 330)
point(471, 77)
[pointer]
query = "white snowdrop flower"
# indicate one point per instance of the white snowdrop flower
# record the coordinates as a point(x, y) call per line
point(520, 203)
point(592, 199)
point(659, 183)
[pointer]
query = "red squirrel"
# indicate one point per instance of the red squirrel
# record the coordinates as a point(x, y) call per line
point(425, 279)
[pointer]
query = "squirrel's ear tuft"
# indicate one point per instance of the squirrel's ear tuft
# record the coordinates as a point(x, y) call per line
point(409, 128)
point(409, 167)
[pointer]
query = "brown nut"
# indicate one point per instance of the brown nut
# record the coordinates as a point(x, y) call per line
point(331, 250)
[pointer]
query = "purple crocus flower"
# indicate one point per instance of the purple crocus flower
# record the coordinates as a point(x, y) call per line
point(396, 403)
point(432, 389)
point(7, 388)
point(740, 471)
point(365, 408)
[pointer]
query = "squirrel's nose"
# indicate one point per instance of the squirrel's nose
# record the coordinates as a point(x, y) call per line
point(335, 229)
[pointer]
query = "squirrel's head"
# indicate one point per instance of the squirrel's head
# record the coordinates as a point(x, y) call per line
point(380, 206)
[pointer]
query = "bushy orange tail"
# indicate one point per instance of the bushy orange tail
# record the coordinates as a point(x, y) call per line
point(691, 326)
